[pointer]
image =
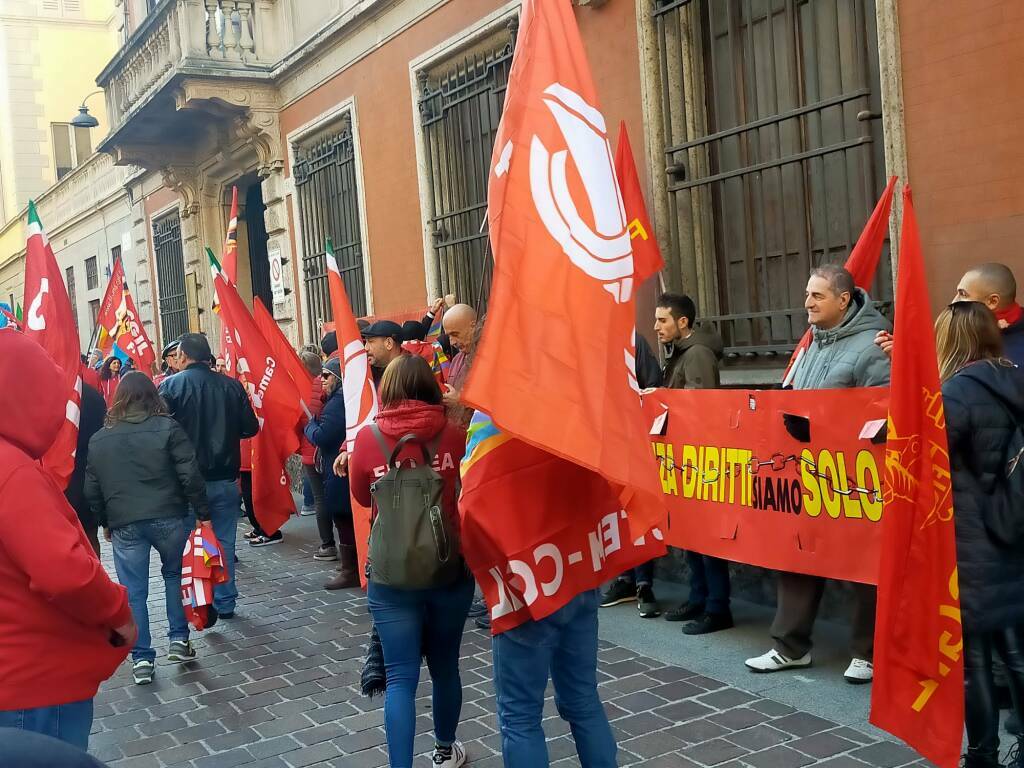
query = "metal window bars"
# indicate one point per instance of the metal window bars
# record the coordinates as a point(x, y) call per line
point(170, 269)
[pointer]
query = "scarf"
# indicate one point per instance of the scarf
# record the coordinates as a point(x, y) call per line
point(1009, 316)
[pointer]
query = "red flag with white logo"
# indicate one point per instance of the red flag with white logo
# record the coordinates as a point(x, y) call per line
point(120, 319)
point(50, 322)
point(275, 399)
point(282, 349)
point(357, 378)
point(555, 367)
point(918, 691)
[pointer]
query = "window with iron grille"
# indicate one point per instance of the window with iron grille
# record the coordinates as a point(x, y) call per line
point(328, 193)
point(460, 107)
point(69, 274)
point(170, 276)
point(115, 255)
point(773, 151)
point(92, 278)
point(94, 314)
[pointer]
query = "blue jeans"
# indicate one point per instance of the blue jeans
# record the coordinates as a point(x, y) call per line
point(564, 646)
point(131, 545)
point(709, 582)
point(67, 722)
point(642, 575)
point(411, 624)
point(307, 493)
point(225, 502)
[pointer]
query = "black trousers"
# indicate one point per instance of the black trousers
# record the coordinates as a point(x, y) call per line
point(245, 483)
point(981, 710)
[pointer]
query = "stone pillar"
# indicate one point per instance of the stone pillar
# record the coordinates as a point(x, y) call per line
point(276, 219)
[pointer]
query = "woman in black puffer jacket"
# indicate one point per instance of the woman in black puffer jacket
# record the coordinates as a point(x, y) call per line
point(984, 401)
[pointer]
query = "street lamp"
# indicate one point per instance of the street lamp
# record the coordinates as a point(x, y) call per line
point(83, 119)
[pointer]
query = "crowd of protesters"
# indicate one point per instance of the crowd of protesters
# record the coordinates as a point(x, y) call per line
point(157, 456)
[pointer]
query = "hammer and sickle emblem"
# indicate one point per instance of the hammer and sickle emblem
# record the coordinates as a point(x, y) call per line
point(603, 251)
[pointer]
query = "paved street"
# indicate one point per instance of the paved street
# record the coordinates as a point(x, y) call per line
point(277, 687)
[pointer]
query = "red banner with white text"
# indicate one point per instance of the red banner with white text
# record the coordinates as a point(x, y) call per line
point(779, 479)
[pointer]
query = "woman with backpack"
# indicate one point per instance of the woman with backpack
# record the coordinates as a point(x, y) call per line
point(141, 476)
point(983, 395)
point(419, 590)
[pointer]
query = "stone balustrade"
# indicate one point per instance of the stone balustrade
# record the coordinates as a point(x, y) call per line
point(211, 36)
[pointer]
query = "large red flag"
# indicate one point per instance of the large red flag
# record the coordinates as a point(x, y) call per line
point(120, 320)
point(275, 399)
point(647, 259)
point(281, 348)
point(918, 690)
point(555, 367)
point(50, 322)
point(357, 378)
point(862, 264)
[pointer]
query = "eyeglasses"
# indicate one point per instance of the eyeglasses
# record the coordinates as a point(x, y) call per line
point(326, 375)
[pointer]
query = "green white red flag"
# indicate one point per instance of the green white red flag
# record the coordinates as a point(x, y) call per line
point(50, 321)
point(357, 378)
point(918, 690)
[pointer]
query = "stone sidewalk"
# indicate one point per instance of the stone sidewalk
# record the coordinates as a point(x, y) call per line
point(277, 687)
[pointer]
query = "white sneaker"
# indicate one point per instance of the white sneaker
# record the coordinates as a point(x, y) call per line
point(773, 661)
point(454, 759)
point(307, 512)
point(859, 672)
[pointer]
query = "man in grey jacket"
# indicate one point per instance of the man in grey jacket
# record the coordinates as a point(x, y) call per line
point(842, 354)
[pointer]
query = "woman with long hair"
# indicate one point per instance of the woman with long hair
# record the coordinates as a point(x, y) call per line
point(110, 376)
point(416, 622)
point(141, 476)
point(983, 396)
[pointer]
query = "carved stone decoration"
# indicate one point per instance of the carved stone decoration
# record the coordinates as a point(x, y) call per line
point(262, 131)
point(187, 182)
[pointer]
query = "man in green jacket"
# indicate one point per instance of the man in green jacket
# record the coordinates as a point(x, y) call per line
point(842, 354)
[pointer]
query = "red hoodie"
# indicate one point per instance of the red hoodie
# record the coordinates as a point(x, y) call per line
point(57, 604)
point(368, 463)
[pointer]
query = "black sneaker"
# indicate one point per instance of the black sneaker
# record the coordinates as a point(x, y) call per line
point(478, 608)
point(266, 541)
point(685, 612)
point(620, 591)
point(483, 622)
point(647, 603)
point(708, 623)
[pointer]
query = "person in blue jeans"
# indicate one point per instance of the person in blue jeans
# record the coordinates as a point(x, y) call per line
point(416, 623)
point(141, 476)
point(562, 646)
point(215, 412)
point(24, 748)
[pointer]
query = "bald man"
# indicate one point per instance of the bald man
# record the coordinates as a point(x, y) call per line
point(994, 286)
point(460, 323)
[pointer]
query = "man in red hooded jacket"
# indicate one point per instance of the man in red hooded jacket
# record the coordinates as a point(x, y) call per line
point(63, 630)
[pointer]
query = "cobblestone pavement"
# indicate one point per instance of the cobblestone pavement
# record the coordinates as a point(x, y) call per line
point(277, 687)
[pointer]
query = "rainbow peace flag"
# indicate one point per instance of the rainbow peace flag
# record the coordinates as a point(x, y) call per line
point(482, 437)
point(435, 326)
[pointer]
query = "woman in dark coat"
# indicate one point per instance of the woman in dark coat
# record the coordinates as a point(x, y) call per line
point(983, 396)
point(141, 476)
point(326, 431)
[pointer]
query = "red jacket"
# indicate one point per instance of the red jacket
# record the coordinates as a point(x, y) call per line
point(57, 604)
point(108, 388)
point(368, 463)
point(315, 403)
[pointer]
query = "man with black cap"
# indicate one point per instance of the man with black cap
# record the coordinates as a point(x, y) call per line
point(383, 343)
point(170, 364)
point(215, 412)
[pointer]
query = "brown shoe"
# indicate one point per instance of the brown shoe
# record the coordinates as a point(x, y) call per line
point(348, 573)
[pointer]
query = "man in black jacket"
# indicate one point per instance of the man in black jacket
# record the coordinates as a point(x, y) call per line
point(91, 414)
point(215, 412)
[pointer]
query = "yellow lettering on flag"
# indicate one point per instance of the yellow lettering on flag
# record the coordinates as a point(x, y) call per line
point(636, 229)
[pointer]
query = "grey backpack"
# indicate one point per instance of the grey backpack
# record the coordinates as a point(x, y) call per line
point(413, 544)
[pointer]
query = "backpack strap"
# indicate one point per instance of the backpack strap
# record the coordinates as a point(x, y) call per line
point(429, 449)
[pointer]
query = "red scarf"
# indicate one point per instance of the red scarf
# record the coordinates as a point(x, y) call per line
point(1009, 316)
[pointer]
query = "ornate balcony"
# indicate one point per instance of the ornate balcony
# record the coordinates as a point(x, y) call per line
point(189, 59)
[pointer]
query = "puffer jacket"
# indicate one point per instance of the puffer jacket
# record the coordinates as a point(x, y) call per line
point(327, 432)
point(143, 468)
point(215, 412)
point(979, 428)
point(847, 356)
point(692, 363)
point(315, 403)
